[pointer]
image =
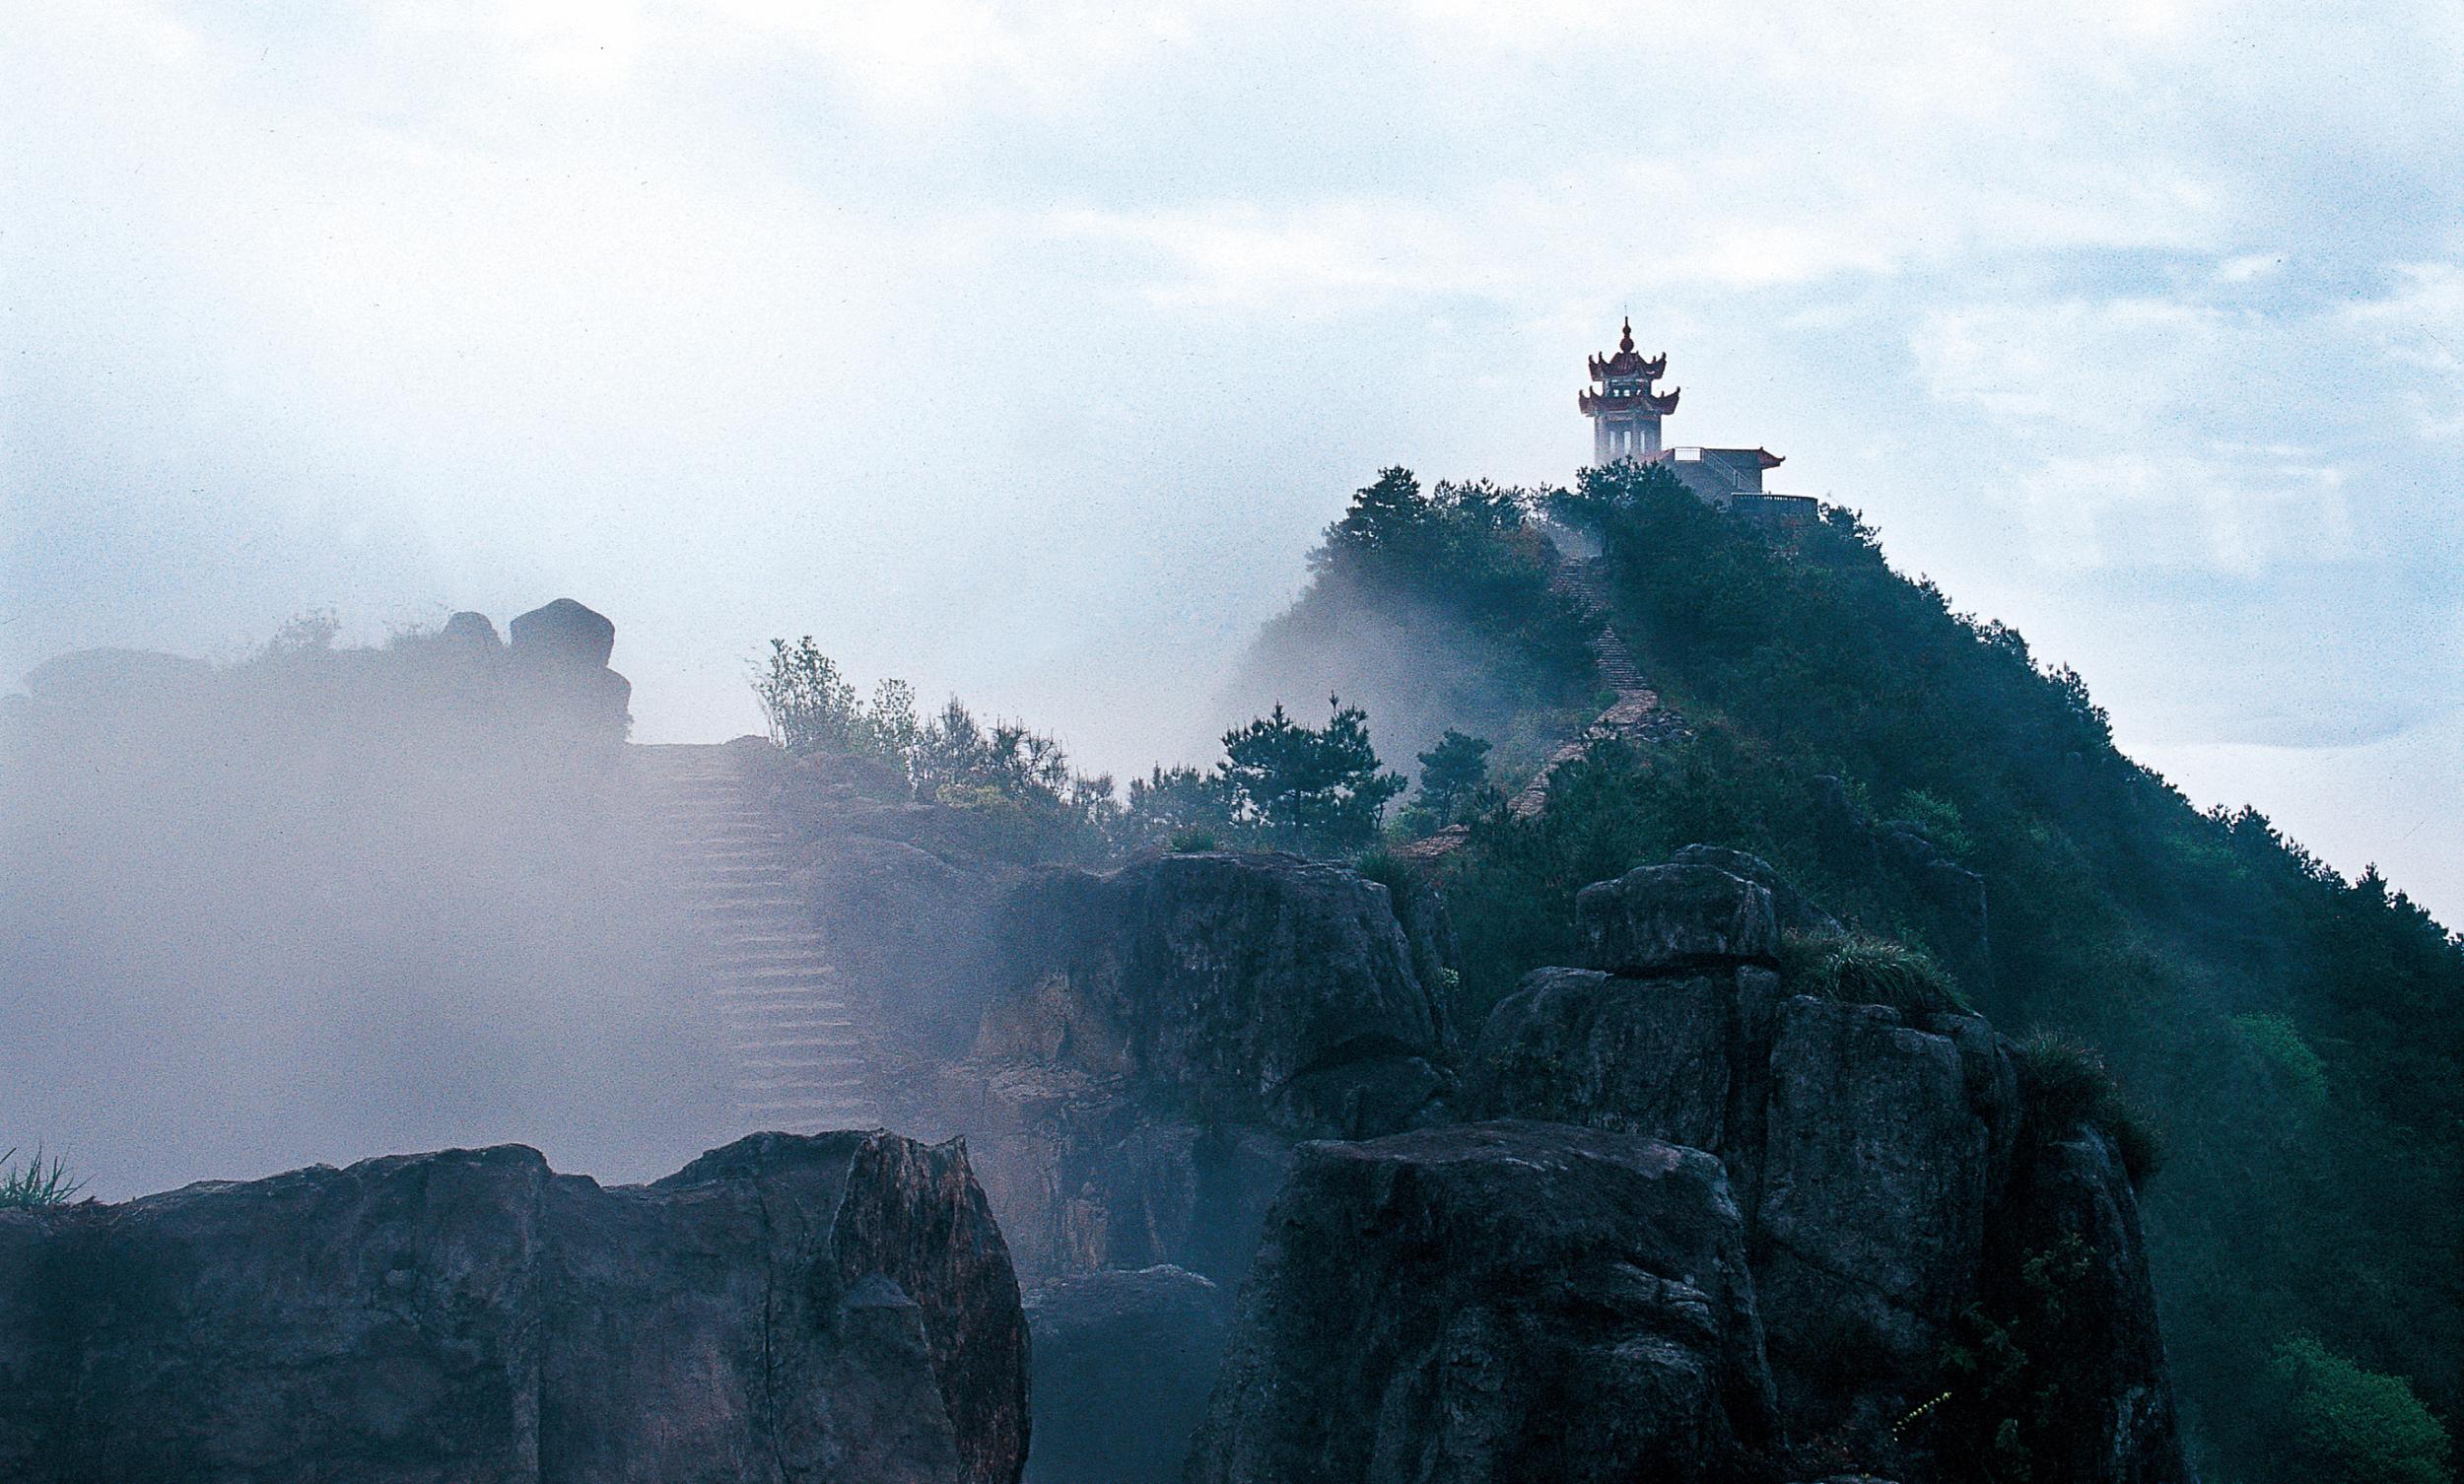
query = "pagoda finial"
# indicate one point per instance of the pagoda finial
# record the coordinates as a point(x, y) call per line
point(1625, 338)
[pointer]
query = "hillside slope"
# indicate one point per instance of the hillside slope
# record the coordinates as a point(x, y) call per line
point(2293, 1036)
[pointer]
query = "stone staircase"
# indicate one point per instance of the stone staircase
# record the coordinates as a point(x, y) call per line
point(803, 1061)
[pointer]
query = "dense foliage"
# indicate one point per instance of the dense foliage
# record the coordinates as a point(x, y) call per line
point(2297, 1036)
point(1280, 784)
point(1454, 784)
point(1431, 608)
point(1011, 791)
point(1012, 794)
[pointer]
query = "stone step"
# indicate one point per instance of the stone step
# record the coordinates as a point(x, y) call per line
point(802, 1089)
point(801, 995)
point(835, 1063)
point(746, 1021)
point(769, 949)
point(827, 1047)
point(773, 958)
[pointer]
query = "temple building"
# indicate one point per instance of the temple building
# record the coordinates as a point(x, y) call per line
point(1625, 413)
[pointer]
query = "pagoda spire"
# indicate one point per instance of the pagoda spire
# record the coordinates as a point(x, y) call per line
point(1625, 410)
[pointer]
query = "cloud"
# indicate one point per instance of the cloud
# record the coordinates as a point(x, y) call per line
point(1004, 344)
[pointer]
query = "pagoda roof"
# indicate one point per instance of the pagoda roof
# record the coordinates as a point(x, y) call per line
point(1594, 403)
point(1627, 363)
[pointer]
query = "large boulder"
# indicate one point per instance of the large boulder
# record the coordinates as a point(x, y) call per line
point(1084, 1176)
point(1256, 988)
point(1664, 918)
point(1865, 1151)
point(1794, 911)
point(1895, 1188)
point(913, 931)
point(1655, 1056)
point(559, 659)
point(563, 635)
point(1159, 1036)
point(1872, 1189)
point(1866, 1147)
point(840, 1306)
point(1124, 1362)
point(1494, 1302)
point(472, 633)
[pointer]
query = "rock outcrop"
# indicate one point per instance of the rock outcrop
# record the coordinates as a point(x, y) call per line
point(1124, 1362)
point(1664, 918)
point(785, 1308)
point(1260, 989)
point(559, 660)
point(1494, 1302)
point(1164, 1033)
point(1877, 1156)
point(2106, 1400)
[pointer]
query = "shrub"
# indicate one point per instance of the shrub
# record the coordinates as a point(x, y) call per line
point(1314, 789)
point(2066, 1083)
point(1193, 839)
point(2279, 1044)
point(36, 1184)
point(1939, 819)
point(1454, 780)
point(1862, 970)
point(2345, 1425)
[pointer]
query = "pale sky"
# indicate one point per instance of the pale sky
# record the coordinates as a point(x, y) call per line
point(1022, 350)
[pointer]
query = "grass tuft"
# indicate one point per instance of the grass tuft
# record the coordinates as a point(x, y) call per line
point(1862, 970)
point(36, 1185)
point(2066, 1083)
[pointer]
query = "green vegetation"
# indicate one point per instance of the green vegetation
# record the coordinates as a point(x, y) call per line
point(36, 1183)
point(1454, 784)
point(2278, 1042)
point(1863, 970)
point(1432, 608)
point(1280, 784)
point(2066, 1083)
point(1011, 792)
point(2338, 1424)
point(2009, 1378)
point(2297, 1037)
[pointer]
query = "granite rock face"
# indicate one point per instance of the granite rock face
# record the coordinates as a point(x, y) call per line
point(1161, 1035)
point(1122, 1364)
point(1494, 1302)
point(1655, 919)
point(2116, 1422)
point(839, 1306)
point(1254, 989)
point(1877, 1160)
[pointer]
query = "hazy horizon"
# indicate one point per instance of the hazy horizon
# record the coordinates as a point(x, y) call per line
point(1024, 353)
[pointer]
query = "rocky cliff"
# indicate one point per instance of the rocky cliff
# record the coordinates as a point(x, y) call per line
point(837, 1307)
point(1908, 1209)
point(1501, 1302)
point(1158, 1037)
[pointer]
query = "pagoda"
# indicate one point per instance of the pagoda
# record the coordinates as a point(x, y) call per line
point(1625, 416)
point(1625, 411)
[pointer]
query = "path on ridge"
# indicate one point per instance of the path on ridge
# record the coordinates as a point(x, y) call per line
point(801, 1062)
point(1634, 714)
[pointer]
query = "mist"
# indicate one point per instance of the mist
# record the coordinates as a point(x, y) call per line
point(1025, 356)
point(328, 900)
